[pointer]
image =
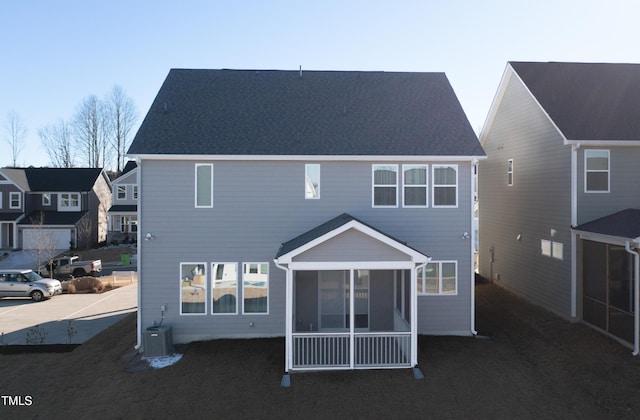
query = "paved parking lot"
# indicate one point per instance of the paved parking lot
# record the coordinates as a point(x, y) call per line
point(64, 319)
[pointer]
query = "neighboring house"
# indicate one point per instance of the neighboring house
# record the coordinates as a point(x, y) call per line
point(560, 191)
point(123, 214)
point(56, 208)
point(332, 208)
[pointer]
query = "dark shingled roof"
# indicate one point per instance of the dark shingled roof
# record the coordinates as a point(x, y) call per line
point(124, 207)
point(248, 112)
point(62, 179)
point(587, 101)
point(624, 224)
point(53, 218)
point(323, 229)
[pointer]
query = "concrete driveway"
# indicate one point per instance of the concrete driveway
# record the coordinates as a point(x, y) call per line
point(64, 319)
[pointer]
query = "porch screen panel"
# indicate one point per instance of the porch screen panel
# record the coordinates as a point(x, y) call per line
point(594, 263)
point(621, 292)
point(333, 300)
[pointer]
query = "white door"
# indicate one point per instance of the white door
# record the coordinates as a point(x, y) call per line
point(46, 238)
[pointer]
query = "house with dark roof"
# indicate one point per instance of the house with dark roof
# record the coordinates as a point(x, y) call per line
point(334, 209)
point(123, 214)
point(559, 195)
point(53, 208)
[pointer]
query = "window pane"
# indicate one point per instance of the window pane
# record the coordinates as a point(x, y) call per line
point(444, 176)
point(415, 196)
point(545, 247)
point(444, 196)
point(312, 181)
point(597, 160)
point(597, 181)
point(193, 288)
point(448, 278)
point(384, 196)
point(255, 288)
point(224, 288)
point(385, 175)
point(204, 185)
point(415, 175)
point(432, 278)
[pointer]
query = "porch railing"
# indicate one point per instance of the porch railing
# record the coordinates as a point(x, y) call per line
point(333, 350)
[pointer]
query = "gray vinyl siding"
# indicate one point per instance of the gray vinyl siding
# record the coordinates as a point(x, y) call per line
point(128, 180)
point(624, 188)
point(5, 202)
point(259, 205)
point(538, 205)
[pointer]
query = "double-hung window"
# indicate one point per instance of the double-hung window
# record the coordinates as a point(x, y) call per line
point(438, 278)
point(596, 173)
point(204, 185)
point(224, 288)
point(445, 185)
point(15, 200)
point(385, 185)
point(414, 180)
point(122, 192)
point(46, 199)
point(255, 288)
point(69, 202)
point(510, 172)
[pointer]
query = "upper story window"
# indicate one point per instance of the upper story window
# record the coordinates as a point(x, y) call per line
point(510, 172)
point(414, 180)
point(69, 201)
point(204, 185)
point(46, 199)
point(15, 200)
point(596, 170)
point(121, 192)
point(385, 185)
point(311, 181)
point(445, 185)
point(135, 192)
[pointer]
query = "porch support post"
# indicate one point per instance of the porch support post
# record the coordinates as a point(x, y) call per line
point(413, 290)
point(288, 315)
point(352, 318)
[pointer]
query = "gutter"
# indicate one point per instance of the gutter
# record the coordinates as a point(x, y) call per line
point(636, 298)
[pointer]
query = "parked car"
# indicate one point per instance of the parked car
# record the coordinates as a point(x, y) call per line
point(68, 266)
point(27, 283)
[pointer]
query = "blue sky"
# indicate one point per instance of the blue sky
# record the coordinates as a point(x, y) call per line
point(55, 53)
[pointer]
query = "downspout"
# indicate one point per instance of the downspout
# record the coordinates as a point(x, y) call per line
point(288, 314)
point(414, 311)
point(574, 222)
point(636, 298)
point(474, 166)
point(139, 242)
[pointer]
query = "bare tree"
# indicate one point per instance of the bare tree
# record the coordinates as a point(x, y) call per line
point(57, 141)
point(122, 117)
point(89, 130)
point(44, 242)
point(16, 134)
point(86, 237)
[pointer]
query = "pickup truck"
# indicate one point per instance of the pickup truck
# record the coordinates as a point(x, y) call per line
point(71, 266)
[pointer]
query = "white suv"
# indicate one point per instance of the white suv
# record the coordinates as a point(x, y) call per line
point(26, 283)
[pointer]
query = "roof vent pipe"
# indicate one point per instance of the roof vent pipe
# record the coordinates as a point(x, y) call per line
point(300, 70)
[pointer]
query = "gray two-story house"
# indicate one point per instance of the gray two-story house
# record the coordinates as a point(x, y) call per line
point(334, 209)
point(559, 195)
point(123, 214)
point(53, 208)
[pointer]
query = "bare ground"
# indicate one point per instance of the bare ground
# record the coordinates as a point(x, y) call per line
point(534, 366)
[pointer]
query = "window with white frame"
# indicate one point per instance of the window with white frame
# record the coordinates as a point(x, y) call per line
point(510, 172)
point(128, 224)
point(552, 249)
point(224, 288)
point(385, 185)
point(135, 192)
point(193, 288)
point(46, 199)
point(414, 181)
point(121, 192)
point(445, 185)
point(204, 185)
point(255, 288)
point(312, 181)
point(15, 200)
point(438, 278)
point(596, 173)
point(69, 201)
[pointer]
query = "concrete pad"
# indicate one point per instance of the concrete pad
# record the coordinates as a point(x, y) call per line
point(64, 319)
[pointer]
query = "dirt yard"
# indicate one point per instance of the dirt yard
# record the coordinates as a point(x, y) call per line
point(534, 366)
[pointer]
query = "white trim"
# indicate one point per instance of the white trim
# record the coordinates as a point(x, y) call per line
point(311, 158)
point(61, 207)
point(195, 186)
point(308, 184)
point(424, 279)
point(347, 265)
point(510, 172)
point(574, 222)
point(608, 171)
point(602, 143)
point(118, 192)
point(11, 195)
point(598, 237)
point(374, 185)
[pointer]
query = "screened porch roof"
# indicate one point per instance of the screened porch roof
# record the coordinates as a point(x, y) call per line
point(624, 224)
point(345, 238)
